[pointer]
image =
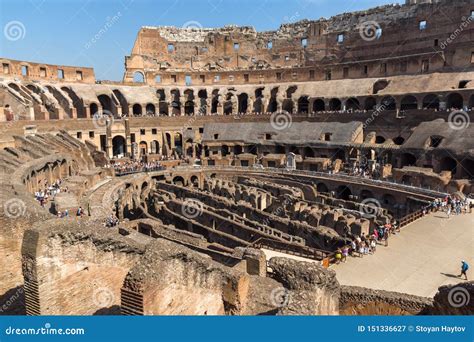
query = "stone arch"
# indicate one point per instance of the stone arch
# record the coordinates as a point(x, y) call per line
point(379, 85)
point(448, 164)
point(194, 181)
point(454, 100)
point(303, 105)
point(94, 109)
point(399, 140)
point(335, 104)
point(343, 192)
point(431, 101)
point(137, 109)
point(139, 77)
point(388, 103)
point(178, 142)
point(77, 102)
point(308, 152)
point(122, 100)
point(150, 109)
point(409, 102)
point(370, 103)
point(408, 159)
point(352, 104)
point(322, 188)
point(107, 105)
point(202, 95)
point(319, 105)
point(143, 148)
point(243, 103)
point(155, 147)
point(175, 102)
point(119, 146)
point(380, 139)
point(178, 180)
point(189, 108)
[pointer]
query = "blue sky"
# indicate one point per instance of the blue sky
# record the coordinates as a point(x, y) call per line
point(61, 31)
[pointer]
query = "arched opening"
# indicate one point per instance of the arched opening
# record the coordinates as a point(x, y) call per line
point(243, 103)
point(379, 139)
point(258, 105)
point(431, 101)
point(118, 146)
point(455, 101)
point(164, 111)
point(471, 102)
point(398, 141)
point(76, 102)
point(343, 192)
point(224, 150)
point(202, 94)
point(238, 150)
point(379, 85)
point(370, 103)
point(94, 109)
point(388, 103)
point(303, 105)
point(178, 180)
point(352, 104)
point(409, 102)
point(335, 104)
point(106, 103)
point(137, 109)
point(194, 181)
point(319, 106)
point(228, 107)
point(189, 108)
point(388, 200)
point(138, 77)
point(175, 102)
point(178, 143)
point(448, 164)
point(308, 152)
point(407, 159)
point(150, 109)
point(365, 194)
point(155, 147)
point(143, 146)
point(322, 188)
point(287, 105)
point(272, 105)
point(122, 100)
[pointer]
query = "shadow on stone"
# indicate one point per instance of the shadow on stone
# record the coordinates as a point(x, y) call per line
point(110, 311)
point(12, 302)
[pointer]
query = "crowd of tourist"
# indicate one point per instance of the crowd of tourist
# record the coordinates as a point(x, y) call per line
point(48, 191)
point(133, 166)
point(450, 206)
point(367, 244)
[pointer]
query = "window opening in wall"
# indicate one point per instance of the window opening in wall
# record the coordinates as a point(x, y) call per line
point(24, 70)
point(78, 75)
point(60, 74)
point(423, 25)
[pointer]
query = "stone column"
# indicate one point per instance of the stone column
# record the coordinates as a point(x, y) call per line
point(108, 144)
point(128, 138)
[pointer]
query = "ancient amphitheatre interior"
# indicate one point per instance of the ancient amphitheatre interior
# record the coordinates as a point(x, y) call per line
point(230, 171)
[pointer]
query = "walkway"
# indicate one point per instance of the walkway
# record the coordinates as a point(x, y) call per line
point(424, 256)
